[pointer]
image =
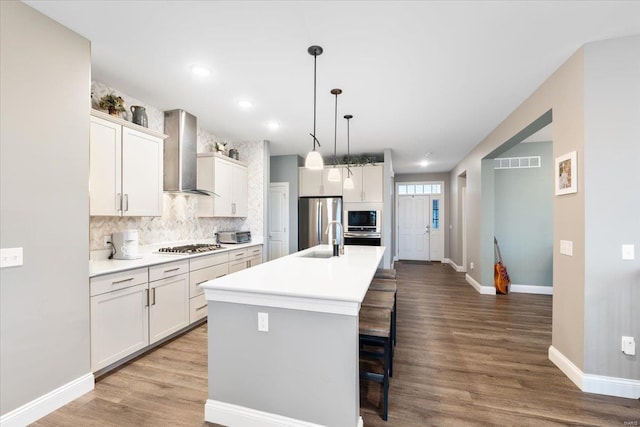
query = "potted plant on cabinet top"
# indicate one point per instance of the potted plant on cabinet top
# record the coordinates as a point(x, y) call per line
point(113, 103)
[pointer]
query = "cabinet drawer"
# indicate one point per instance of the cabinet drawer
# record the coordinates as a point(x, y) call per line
point(170, 269)
point(120, 280)
point(197, 308)
point(255, 251)
point(238, 254)
point(200, 276)
point(208, 260)
point(237, 265)
point(254, 260)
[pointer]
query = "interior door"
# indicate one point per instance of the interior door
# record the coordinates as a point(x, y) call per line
point(414, 227)
point(278, 220)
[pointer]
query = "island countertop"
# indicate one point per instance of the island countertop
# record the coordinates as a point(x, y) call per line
point(300, 281)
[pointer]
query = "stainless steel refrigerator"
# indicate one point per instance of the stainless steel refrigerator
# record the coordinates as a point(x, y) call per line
point(314, 214)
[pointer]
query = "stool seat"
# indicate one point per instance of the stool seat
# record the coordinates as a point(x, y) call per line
point(386, 273)
point(375, 322)
point(379, 299)
point(387, 285)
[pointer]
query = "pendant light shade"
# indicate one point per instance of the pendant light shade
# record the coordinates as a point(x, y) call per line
point(348, 182)
point(314, 159)
point(334, 172)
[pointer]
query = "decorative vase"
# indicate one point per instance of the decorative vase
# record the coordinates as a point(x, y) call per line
point(139, 115)
point(233, 153)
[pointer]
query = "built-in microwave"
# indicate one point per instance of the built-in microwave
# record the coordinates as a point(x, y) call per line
point(363, 221)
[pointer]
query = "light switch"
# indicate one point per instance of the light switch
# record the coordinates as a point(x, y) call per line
point(263, 322)
point(566, 247)
point(10, 257)
point(629, 346)
point(628, 252)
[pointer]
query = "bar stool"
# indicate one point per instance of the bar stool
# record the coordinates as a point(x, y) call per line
point(384, 301)
point(374, 326)
point(385, 273)
point(388, 285)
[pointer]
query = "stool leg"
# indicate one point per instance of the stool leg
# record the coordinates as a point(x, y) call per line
point(387, 363)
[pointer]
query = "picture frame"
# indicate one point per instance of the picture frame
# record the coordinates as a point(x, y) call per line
point(566, 173)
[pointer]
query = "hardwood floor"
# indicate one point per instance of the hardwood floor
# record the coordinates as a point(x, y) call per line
point(461, 359)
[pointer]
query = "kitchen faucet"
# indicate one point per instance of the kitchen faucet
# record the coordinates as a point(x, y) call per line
point(338, 248)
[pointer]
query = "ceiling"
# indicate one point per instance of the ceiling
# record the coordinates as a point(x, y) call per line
point(419, 77)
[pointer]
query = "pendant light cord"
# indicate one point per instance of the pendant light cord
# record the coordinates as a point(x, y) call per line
point(315, 61)
point(348, 147)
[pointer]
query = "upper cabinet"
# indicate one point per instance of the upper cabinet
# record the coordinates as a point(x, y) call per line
point(125, 168)
point(228, 179)
point(315, 183)
point(367, 184)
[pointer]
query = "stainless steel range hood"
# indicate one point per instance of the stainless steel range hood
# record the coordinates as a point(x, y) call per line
point(180, 149)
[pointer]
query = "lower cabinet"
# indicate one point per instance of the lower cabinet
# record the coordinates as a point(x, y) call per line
point(168, 306)
point(201, 270)
point(241, 259)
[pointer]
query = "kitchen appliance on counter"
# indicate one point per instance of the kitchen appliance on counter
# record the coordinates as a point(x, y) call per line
point(126, 244)
point(314, 214)
point(363, 228)
point(234, 237)
point(195, 248)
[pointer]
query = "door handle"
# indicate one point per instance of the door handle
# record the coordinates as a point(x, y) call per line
point(119, 196)
point(126, 200)
point(154, 296)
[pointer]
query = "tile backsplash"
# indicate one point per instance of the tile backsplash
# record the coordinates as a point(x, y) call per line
point(179, 220)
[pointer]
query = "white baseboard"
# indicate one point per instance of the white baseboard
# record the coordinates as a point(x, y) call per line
point(599, 384)
point(483, 290)
point(44, 405)
point(456, 267)
point(239, 416)
point(531, 289)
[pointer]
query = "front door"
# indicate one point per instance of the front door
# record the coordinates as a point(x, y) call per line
point(413, 227)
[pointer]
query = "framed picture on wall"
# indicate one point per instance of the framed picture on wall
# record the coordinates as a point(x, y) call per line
point(566, 173)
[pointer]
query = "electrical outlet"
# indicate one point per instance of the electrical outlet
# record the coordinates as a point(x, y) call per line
point(106, 242)
point(10, 257)
point(471, 265)
point(263, 322)
point(629, 346)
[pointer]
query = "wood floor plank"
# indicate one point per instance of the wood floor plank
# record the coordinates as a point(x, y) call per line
point(462, 359)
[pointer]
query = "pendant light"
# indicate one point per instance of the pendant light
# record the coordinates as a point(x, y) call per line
point(334, 172)
point(348, 182)
point(314, 159)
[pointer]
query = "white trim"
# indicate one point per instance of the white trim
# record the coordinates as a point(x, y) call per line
point(531, 289)
point(349, 308)
point(239, 416)
point(46, 404)
point(589, 383)
point(455, 266)
point(483, 290)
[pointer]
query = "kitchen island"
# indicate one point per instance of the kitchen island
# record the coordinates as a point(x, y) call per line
point(283, 340)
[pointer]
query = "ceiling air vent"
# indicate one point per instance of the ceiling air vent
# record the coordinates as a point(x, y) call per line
point(516, 162)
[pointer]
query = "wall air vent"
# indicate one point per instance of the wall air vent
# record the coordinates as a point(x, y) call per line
point(517, 162)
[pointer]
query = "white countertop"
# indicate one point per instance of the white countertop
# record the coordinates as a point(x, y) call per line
point(98, 265)
point(331, 285)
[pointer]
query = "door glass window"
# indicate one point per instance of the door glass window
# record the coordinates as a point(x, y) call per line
point(435, 214)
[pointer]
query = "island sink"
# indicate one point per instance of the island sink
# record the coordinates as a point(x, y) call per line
point(317, 254)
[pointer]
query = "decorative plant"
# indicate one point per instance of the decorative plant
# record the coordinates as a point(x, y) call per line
point(220, 147)
point(113, 103)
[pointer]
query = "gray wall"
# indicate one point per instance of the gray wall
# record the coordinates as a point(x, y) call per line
point(612, 203)
point(446, 178)
point(44, 205)
point(285, 169)
point(524, 216)
point(305, 367)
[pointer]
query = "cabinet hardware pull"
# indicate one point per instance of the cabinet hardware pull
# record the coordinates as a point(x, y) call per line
point(154, 296)
point(200, 283)
point(146, 291)
point(240, 254)
point(255, 251)
point(126, 199)
point(119, 196)
point(122, 281)
point(221, 275)
point(200, 308)
point(172, 269)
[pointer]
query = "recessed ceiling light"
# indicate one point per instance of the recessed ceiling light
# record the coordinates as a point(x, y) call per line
point(424, 163)
point(200, 70)
point(245, 104)
point(273, 125)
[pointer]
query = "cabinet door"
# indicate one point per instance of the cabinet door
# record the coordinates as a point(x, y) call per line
point(222, 180)
point(237, 265)
point(240, 191)
point(169, 306)
point(354, 194)
point(331, 188)
point(372, 183)
point(310, 182)
point(142, 164)
point(206, 181)
point(105, 171)
point(119, 325)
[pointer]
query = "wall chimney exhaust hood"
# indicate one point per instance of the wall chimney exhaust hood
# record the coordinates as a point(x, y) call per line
point(180, 155)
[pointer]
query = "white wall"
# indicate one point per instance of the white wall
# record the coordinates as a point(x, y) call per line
point(44, 204)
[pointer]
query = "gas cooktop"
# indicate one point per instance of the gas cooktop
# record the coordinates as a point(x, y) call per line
point(196, 248)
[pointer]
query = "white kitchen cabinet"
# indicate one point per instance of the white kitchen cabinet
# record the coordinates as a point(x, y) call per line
point(125, 168)
point(168, 299)
point(367, 184)
point(241, 259)
point(202, 269)
point(315, 183)
point(226, 177)
point(119, 316)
